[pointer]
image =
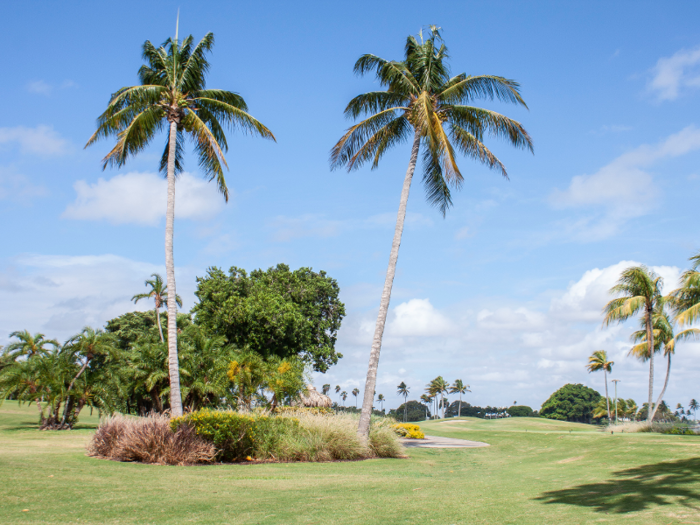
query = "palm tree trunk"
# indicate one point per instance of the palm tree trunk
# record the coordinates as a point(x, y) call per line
point(607, 399)
point(173, 365)
point(650, 341)
point(663, 390)
point(370, 384)
point(160, 328)
point(459, 412)
point(65, 409)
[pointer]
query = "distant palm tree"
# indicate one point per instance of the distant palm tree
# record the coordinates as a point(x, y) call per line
point(159, 294)
point(355, 391)
point(599, 361)
point(325, 389)
point(380, 398)
point(459, 388)
point(29, 345)
point(424, 104)
point(685, 300)
point(403, 390)
point(427, 400)
point(438, 387)
point(693, 405)
point(639, 289)
point(173, 94)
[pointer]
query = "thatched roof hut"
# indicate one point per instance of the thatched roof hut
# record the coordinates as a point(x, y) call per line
point(313, 398)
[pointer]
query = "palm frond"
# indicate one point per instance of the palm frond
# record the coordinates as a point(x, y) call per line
point(482, 86)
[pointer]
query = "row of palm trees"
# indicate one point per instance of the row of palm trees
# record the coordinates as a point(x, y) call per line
point(342, 394)
point(639, 291)
point(421, 103)
point(436, 392)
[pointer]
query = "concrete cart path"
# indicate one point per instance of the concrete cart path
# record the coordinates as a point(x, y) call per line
point(442, 442)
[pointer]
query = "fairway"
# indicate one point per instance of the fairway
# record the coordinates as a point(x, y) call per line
point(535, 471)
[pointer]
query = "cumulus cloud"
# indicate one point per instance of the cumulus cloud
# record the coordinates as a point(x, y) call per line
point(672, 74)
point(59, 295)
point(40, 140)
point(509, 351)
point(141, 198)
point(624, 188)
point(19, 188)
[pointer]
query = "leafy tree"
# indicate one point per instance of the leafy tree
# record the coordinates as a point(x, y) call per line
point(572, 402)
point(159, 294)
point(274, 312)
point(403, 390)
point(423, 103)
point(639, 289)
point(599, 361)
point(458, 387)
point(411, 411)
point(173, 94)
point(520, 411)
point(29, 345)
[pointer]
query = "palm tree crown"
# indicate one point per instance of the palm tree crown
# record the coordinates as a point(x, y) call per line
point(599, 361)
point(29, 345)
point(159, 294)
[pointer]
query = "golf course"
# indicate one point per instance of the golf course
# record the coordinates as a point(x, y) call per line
point(534, 471)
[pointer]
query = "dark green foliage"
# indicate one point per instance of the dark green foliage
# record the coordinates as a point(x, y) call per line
point(520, 411)
point(277, 312)
point(414, 410)
point(140, 327)
point(471, 410)
point(237, 436)
point(572, 402)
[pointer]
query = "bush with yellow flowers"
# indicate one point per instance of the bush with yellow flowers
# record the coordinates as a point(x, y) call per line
point(408, 430)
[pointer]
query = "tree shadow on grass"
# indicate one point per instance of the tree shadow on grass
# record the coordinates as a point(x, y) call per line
point(637, 489)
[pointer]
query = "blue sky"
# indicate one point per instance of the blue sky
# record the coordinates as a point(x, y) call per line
point(504, 293)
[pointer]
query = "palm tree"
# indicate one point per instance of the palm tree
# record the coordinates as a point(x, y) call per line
point(693, 405)
point(173, 94)
point(159, 293)
point(423, 103)
point(325, 389)
point(640, 291)
point(427, 400)
point(344, 396)
point(355, 392)
point(599, 361)
point(663, 335)
point(29, 345)
point(337, 389)
point(403, 390)
point(459, 388)
point(438, 387)
point(380, 398)
point(87, 345)
point(685, 300)
point(631, 409)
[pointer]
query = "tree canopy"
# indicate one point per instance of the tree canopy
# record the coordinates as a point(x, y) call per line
point(274, 312)
point(572, 402)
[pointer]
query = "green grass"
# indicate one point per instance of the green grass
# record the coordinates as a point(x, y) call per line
point(535, 471)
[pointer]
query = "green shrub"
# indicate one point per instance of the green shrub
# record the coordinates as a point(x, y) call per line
point(238, 436)
point(304, 410)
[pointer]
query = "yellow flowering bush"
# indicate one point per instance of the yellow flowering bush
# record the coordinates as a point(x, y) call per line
point(408, 430)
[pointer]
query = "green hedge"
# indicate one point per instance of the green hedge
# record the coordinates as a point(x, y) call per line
point(237, 436)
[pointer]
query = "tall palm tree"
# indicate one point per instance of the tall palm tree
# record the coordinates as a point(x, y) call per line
point(380, 398)
point(403, 390)
point(325, 389)
point(344, 396)
point(29, 345)
point(663, 336)
point(599, 361)
point(355, 392)
point(458, 387)
point(159, 294)
point(639, 289)
point(337, 389)
point(427, 400)
point(685, 300)
point(693, 405)
point(173, 94)
point(424, 104)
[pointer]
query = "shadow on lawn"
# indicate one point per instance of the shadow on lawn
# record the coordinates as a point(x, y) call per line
point(637, 488)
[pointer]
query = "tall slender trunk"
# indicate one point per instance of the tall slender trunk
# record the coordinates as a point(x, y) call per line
point(663, 390)
point(607, 398)
point(650, 341)
point(160, 328)
point(405, 408)
point(459, 412)
point(173, 365)
point(371, 382)
point(65, 409)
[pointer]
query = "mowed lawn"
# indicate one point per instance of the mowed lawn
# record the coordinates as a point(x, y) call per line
point(535, 471)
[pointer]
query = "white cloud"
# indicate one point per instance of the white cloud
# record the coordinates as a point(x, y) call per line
point(59, 295)
point(40, 87)
point(19, 188)
point(623, 189)
point(672, 74)
point(41, 140)
point(417, 318)
point(141, 198)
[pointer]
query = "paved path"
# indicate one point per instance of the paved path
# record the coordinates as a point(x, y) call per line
point(442, 442)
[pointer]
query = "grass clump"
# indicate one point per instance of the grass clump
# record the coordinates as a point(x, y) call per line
point(149, 440)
